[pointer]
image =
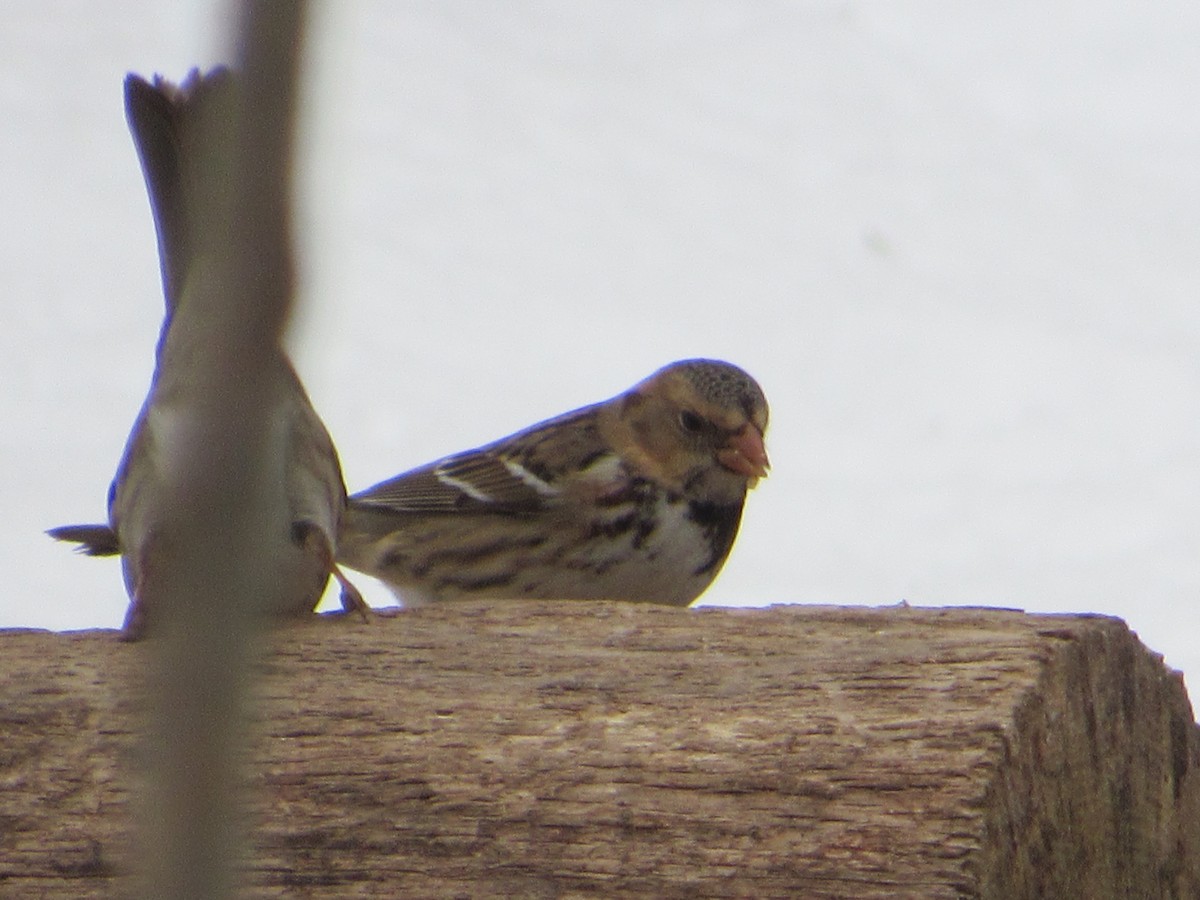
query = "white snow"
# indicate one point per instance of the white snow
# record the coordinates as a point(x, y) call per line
point(958, 244)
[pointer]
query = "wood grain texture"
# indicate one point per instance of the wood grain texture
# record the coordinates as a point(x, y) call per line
point(576, 750)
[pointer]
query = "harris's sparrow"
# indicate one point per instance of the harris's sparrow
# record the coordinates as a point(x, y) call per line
point(164, 120)
point(637, 498)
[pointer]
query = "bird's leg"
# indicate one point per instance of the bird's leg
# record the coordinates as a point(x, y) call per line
point(134, 626)
point(315, 542)
point(352, 600)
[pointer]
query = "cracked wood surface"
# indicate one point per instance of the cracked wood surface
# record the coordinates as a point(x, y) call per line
point(572, 750)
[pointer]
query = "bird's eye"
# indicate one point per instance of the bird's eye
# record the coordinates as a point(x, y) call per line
point(691, 422)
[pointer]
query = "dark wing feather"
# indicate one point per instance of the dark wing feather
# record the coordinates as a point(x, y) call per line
point(474, 481)
point(489, 479)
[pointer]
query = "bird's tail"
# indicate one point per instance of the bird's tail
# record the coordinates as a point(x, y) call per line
point(93, 540)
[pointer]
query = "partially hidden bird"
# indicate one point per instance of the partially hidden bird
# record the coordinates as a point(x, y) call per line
point(165, 123)
point(637, 498)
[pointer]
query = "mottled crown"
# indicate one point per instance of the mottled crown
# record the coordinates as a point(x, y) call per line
point(723, 384)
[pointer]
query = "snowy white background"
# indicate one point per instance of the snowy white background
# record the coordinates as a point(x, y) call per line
point(958, 244)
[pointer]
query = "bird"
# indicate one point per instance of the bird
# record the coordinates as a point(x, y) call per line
point(637, 498)
point(164, 119)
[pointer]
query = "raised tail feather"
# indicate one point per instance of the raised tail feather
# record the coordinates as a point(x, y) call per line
point(94, 540)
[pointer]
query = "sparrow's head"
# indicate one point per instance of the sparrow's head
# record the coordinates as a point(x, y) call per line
point(697, 426)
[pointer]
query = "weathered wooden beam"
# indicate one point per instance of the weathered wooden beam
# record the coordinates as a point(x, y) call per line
point(552, 750)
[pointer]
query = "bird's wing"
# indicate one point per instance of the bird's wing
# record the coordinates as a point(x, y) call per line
point(521, 474)
point(164, 120)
